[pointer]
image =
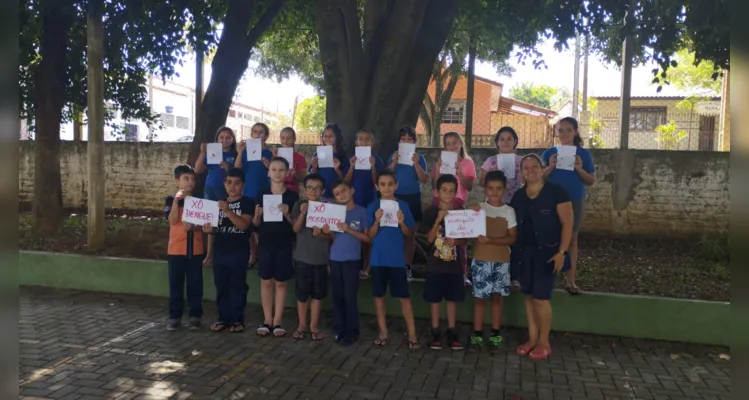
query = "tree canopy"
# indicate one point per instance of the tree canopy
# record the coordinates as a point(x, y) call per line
point(540, 95)
point(310, 115)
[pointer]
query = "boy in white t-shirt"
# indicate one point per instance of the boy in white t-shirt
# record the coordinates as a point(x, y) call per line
point(490, 268)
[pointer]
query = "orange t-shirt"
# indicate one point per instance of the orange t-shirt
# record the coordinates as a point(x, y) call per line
point(179, 245)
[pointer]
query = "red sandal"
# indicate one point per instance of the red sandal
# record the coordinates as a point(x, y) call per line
point(540, 353)
point(524, 349)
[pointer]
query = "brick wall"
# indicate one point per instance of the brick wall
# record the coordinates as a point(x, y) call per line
point(669, 192)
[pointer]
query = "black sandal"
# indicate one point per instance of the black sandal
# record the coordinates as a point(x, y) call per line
point(413, 345)
point(263, 330)
point(381, 342)
point(317, 336)
point(237, 327)
point(219, 326)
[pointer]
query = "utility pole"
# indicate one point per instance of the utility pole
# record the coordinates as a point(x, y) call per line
point(198, 83)
point(585, 74)
point(470, 91)
point(95, 149)
point(576, 79)
point(626, 92)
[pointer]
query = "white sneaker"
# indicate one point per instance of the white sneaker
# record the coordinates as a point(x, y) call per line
point(467, 281)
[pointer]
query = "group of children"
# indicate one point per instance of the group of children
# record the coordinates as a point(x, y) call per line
point(361, 249)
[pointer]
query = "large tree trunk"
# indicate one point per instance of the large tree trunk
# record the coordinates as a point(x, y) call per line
point(445, 79)
point(228, 66)
point(50, 88)
point(380, 85)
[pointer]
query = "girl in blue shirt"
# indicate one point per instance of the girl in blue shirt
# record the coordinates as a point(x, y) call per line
point(331, 136)
point(574, 183)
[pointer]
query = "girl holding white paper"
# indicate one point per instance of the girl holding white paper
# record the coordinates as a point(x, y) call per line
point(506, 160)
point(297, 169)
point(214, 182)
point(574, 181)
point(331, 136)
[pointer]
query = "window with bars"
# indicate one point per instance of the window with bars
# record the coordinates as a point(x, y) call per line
point(455, 113)
point(131, 132)
point(232, 113)
point(183, 123)
point(167, 120)
point(646, 118)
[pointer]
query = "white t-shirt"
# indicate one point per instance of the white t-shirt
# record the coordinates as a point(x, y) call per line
point(505, 212)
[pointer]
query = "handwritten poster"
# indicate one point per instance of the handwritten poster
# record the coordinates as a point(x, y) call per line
point(405, 153)
point(506, 164)
point(271, 213)
point(200, 211)
point(325, 156)
point(288, 154)
point(254, 150)
point(566, 157)
point(362, 157)
point(214, 154)
point(449, 161)
point(320, 214)
point(464, 224)
point(390, 210)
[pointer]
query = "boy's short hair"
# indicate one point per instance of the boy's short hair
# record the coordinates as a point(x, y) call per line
point(496, 176)
point(447, 178)
point(339, 182)
point(235, 173)
point(386, 173)
point(281, 160)
point(182, 170)
point(313, 177)
point(407, 131)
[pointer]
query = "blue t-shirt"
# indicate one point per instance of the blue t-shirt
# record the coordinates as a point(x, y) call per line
point(256, 175)
point(216, 173)
point(388, 247)
point(330, 175)
point(570, 180)
point(408, 181)
point(364, 188)
point(345, 246)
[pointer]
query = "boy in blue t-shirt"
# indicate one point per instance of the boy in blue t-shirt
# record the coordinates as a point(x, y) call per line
point(387, 260)
point(345, 264)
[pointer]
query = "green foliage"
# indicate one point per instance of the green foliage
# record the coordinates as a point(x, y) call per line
point(528, 92)
point(310, 115)
point(669, 135)
point(715, 251)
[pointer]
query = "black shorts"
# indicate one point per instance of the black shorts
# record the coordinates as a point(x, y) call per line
point(395, 277)
point(311, 281)
point(275, 264)
point(448, 287)
point(414, 203)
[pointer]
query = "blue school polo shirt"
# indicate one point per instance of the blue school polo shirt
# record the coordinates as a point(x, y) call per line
point(256, 175)
point(216, 173)
point(364, 187)
point(346, 247)
point(329, 174)
point(388, 247)
point(408, 181)
point(570, 180)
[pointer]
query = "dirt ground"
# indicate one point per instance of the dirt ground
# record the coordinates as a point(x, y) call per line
point(667, 267)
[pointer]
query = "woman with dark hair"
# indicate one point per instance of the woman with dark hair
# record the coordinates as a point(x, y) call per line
point(331, 136)
point(574, 182)
point(544, 230)
point(506, 141)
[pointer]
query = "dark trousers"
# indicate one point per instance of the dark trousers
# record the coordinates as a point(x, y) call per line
point(230, 277)
point(344, 277)
point(185, 270)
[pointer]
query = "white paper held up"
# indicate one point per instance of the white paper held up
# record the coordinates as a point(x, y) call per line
point(449, 161)
point(214, 154)
point(200, 211)
point(405, 153)
point(254, 150)
point(465, 224)
point(506, 164)
point(325, 156)
point(288, 154)
point(390, 210)
point(362, 157)
point(566, 157)
point(271, 212)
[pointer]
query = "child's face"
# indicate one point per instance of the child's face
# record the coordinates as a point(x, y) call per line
point(277, 171)
point(364, 139)
point(328, 138)
point(387, 186)
point(313, 189)
point(453, 144)
point(406, 138)
point(446, 193)
point(494, 191)
point(287, 139)
point(343, 194)
point(226, 140)
point(233, 186)
point(258, 133)
point(566, 133)
point(186, 182)
point(506, 143)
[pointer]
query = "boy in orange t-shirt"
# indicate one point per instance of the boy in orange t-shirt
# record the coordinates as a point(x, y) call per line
point(184, 255)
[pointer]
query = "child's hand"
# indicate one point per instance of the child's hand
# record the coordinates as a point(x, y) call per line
point(179, 196)
point(415, 159)
point(314, 162)
point(450, 241)
point(378, 214)
point(203, 148)
point(224, 165)
point(441, 215)
point(336, 164)
point(353, 160)
point(475, 207)
point(401, 216)
point(207, 228)
point(223, 206)
point(578, 163)
point(372, 162)
point(265, 161)
point(241, 146)
point(326, 229)
point(258, 211)
point(396, 157)
point(283, 208)
point(187, 226)
point(553, 161)
point(303, 208)
point(274, 151)
point(316, 231)
point(343, 227)
point(482, 239)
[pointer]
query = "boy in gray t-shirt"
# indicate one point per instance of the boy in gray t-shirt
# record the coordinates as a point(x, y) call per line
point(311, 257)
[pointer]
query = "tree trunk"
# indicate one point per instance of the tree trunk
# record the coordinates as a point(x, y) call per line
point(50, 88)
point(380, 85)
point(95, 154)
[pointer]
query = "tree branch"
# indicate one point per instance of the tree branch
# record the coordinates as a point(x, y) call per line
point(265, 21)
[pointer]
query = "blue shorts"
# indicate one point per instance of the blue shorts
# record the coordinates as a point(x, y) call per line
point(215, 193)
point(275, 264)
point(490, 278)
point(537, 277)
point(395, 277)
point(414, 203)
point(448, 287)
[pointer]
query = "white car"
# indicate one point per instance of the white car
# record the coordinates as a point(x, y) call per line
point(184, 139)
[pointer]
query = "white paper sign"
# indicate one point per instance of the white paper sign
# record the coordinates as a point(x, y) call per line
point(288, 154)
point(506, 164)
point(271, 213)
point(464, 224)
point(254, 149)
point(405, 153)
point(200, 211)
point(566, 157)
point(449, 160)
point(325, 156)
point(319, 214)
point(362, 157)
point(390, 210)
point(214, 154)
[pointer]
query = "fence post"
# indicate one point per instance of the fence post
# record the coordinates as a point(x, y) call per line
point(470, 91)
point(585, 127)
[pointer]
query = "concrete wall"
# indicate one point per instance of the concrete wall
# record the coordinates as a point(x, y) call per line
point(657, 192)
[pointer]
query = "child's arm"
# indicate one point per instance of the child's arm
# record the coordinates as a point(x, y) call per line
point(174, 211)
point(375, 225)
point(420, 172)
point(241, 146)
point(200, 166)
point(508, 240)
point(435, 230)
point(361, 236)
point(350, 173)
point(407, 231)
point(299, 222)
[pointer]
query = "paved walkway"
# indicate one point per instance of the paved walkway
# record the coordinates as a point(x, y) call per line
point(77, 345)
